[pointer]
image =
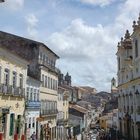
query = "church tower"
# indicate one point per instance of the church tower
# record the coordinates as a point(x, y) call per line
point(113, 86)
point(68, 79)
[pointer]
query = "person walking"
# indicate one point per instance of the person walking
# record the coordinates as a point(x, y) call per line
point(33, 137)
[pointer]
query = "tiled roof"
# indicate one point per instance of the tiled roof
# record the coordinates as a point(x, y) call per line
point(78, 108)
point(9, 40)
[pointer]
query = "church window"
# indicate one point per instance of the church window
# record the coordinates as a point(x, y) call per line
point(136, 48)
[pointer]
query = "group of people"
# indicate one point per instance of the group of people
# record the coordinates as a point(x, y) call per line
point(104, 137)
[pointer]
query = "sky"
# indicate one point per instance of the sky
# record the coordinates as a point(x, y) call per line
point(84, 33)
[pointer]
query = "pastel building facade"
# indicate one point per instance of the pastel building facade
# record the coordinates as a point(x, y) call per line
point(13, 73)
point(63, 115)
point(42, 61)
point(32, 105)
point(128, 56)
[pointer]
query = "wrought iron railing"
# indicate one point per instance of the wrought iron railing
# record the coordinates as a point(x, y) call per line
point(10, 90)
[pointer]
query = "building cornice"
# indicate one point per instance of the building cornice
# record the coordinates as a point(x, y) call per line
point(131, 82)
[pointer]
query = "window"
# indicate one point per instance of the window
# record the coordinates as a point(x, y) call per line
point(41, 56)
point(21, 81)
point(33, 124)
point(51, 83)
point(11, 124)
point(27, 93)
point(48, 61)
point(48, 82)
point(136, 48)
point(29, 122)
point(45, 81)
point(56, 85)
point(34, 94)
point(18, 124)
point(37, 95)
point(0, 73)
point(14, 79)
point(137, 70)
point(42, 80)
point(119, 63)
point(31, 95)
point(44, 58)
point(6, 77)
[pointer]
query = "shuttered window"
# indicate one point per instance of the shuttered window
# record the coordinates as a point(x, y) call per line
point(11, 124)
point(18, 124)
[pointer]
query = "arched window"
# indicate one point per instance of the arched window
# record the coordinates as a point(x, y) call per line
point(136, 49)
point(119, 63)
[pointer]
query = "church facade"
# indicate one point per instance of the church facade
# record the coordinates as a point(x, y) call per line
point(128, 56)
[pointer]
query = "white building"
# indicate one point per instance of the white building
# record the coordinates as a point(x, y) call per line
point(128, 56)
point(32, 111)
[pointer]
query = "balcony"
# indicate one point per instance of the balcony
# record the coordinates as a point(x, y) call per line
point(51, 112)
point(33, 104)
point(13, 91)
point(51, 67)
point(62, 122)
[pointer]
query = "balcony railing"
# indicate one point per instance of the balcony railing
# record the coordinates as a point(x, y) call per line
point(51, 67)
point(10, 90)
point(50, 112)
point(62, 121)
point(33, 104)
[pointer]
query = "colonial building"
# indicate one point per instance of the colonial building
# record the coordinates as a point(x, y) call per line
point(48, 91)
point(42, 61)
point(63, 115)
point(65, 82)
point(32, 104)
point(128, 57)
point(13, 73)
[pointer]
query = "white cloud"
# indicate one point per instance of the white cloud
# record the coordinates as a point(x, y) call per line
point(13, 4)
point(88, 52)
point(31, 21)
point(85, 52)
point(98, 2)
point(128, 12)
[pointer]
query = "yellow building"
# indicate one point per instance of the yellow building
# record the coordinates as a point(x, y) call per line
point(48, 91)
point(103, 122)
point(42, 66)
point(13, 72)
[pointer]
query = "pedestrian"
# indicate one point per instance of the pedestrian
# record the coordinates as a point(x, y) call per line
point(33, 137)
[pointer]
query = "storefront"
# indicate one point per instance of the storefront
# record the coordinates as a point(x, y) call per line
point(3, 121)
